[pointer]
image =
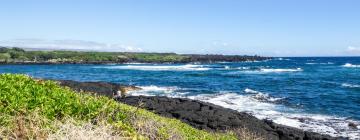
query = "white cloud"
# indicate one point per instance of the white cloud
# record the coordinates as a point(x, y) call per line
point(353, 50)
point(221, 44)
point(68, 45)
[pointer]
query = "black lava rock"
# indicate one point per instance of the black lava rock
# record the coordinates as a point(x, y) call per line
point(211, 117)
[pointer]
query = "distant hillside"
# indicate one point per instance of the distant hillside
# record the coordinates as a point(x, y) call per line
point(18, 55)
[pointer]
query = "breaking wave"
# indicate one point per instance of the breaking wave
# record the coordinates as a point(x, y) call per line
point(334, 126)
point(280, 70)
point(350, 85)
point(328, 63)
point(282, 59)
point(156, 91)
point(261, 96)
point(248, 70)
point(349, 65)
point(253, 103)
point(188, 67)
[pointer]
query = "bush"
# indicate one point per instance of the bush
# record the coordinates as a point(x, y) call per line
point(3, 50)
point(4, 56)
point(33, 109)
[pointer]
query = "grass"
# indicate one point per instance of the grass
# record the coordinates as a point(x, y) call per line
point(36, 109)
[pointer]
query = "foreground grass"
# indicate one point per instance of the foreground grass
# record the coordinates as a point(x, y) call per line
point(35, 109)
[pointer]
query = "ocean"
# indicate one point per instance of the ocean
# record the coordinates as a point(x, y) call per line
point(320, 94)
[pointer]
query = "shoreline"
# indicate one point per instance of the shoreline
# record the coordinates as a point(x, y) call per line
point(20, 56)
point(119, 63)
point(201, 115)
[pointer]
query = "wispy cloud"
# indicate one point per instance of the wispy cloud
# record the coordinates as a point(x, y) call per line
point(68, 45)
point(353, 50)
point(219, 43)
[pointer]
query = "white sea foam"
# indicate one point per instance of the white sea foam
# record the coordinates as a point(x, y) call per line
point(261, 96)
point(349, 65)
point(334, 126)
point(154, 90)
point(280, 70)
point(224, 62)
point(281, 59)
point(243, 68)
point(254, 61)
point(328, 63)
point(247, 70)
point(188, 67)
point(262, 70)
point(350, 85)
point(247, 90)
point(135, 63)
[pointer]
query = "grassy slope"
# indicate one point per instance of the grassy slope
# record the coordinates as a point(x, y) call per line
point(39, 109)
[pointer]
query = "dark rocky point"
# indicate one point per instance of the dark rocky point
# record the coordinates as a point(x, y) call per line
point(199, 114)
point(208, 116)
point(98, 88)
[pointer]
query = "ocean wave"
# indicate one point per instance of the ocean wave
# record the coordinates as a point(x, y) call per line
point(135, 63)
point(243, 68)
point(154, 91)
point(328, 63)
point(350, 85)
point(280, 70)
point(248, 70)
point(278, 113)
point(254, 61)
point(224, 62)
point(188, 67)
point(262, 96)
point(283, 59)
point(349, 65)
point(334, 126)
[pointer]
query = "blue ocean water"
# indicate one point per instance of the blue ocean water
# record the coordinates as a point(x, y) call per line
point(320, 94)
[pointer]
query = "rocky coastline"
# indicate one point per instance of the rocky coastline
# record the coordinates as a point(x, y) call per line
point(198, 59)
point(201, 115)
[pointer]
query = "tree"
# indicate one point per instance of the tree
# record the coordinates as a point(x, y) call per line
point(3, 50)
point(15, 55)
point(18, 49)
point(4, 56)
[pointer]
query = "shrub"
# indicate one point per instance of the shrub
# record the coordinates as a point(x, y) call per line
point(33, 109)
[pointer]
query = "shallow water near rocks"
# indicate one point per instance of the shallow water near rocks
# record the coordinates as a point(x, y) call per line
point(314, 93)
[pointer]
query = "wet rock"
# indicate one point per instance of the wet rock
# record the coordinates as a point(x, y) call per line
point(99, 88)
point(352, 125)
point(199, 114)
point(211, 117)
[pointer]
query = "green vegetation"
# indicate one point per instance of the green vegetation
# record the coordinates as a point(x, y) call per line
point(37, 109)
point(18, 55)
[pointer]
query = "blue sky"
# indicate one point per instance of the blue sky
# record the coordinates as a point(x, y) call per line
point(263, 27)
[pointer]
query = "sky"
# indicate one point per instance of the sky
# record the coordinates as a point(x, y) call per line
point(244, 27)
